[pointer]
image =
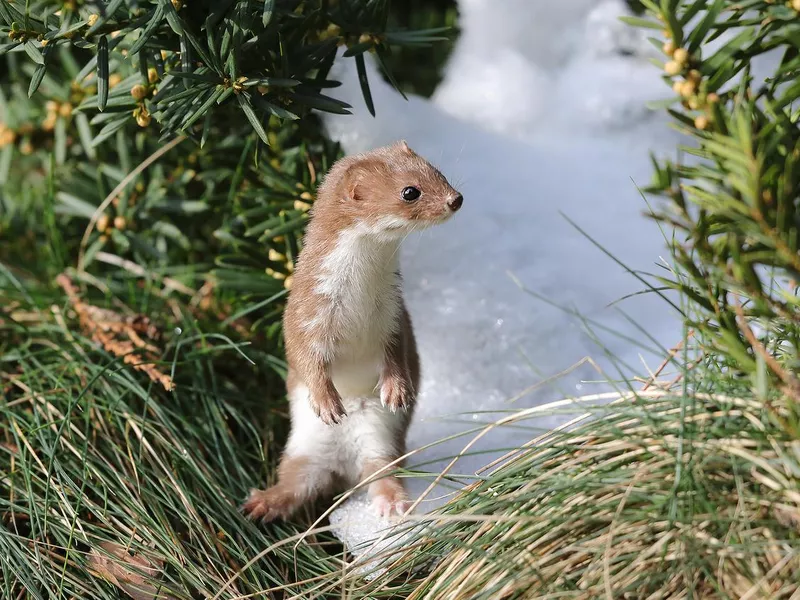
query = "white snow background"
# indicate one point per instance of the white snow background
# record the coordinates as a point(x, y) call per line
point(541, 112)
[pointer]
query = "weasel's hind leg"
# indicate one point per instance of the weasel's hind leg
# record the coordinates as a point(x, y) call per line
point(299, 481)
point(386, 490)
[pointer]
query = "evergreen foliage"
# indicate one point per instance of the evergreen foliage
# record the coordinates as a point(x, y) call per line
point(734, 198)
point(90, 90)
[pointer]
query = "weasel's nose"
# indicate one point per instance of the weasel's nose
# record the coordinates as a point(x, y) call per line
point(455, 203)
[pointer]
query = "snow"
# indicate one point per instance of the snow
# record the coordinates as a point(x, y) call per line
point(367, 534)
point(550, 69)
point(540, 117)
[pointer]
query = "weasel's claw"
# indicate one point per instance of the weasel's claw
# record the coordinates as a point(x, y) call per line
point(395, 395)
point(330, 414)
point(266, 505)
point(256, 507)
point(386, 506)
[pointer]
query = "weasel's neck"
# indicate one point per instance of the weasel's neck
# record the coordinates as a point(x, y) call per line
point(359, 263)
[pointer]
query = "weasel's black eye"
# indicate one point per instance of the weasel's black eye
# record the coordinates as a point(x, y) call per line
point(410, 193)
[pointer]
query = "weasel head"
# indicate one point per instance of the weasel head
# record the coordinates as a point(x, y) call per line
point(392, 191)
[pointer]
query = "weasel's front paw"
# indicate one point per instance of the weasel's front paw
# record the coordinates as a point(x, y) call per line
point(329, 408)
point(396, 393)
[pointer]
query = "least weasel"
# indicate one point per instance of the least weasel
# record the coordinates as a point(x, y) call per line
point(353, 365)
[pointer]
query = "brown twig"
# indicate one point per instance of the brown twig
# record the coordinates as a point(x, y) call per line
point(104, 326)
point(673, 351)
point(791, 384)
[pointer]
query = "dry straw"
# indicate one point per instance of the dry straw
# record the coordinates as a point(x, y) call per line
point(665, 495)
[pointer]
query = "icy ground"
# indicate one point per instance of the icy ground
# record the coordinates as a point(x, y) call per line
point(541, 112)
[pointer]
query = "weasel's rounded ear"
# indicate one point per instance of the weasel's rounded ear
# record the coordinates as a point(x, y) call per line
point(404, 145)
point(352, 183)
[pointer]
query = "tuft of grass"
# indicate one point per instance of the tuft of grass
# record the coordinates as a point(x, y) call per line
point(110, 483)
point(661, 494)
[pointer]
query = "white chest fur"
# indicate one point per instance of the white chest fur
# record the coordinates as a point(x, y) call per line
point(358, 282)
